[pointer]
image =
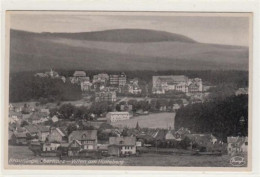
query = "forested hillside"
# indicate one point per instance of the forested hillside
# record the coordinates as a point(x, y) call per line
point(26, 87)
point(222, 118)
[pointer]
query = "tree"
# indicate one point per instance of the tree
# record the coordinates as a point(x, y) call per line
point(185, 143)
point(24, 123)
point(71, 128)
point(67, 110)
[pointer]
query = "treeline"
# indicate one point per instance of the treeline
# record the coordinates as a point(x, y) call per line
point(223, 118)
point(26, 87)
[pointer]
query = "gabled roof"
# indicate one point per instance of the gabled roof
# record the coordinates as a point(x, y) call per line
point(122, 141)
point(83, 135)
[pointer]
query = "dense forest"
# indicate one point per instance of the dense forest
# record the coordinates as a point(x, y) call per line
point(26, 87)
point(222, 118)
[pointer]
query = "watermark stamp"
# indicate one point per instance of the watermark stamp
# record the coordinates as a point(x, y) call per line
point(237, 161)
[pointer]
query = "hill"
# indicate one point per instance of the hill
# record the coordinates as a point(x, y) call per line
point(125, 49)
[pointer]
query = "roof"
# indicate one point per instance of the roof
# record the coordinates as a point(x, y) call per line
point(19, 135)
point(42, 128)
point(83, 135)
point(31, 128)
point(61, 131)
point(79, 74)
point(125, 141)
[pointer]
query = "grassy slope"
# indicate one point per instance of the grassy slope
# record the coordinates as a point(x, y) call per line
point(31, 51)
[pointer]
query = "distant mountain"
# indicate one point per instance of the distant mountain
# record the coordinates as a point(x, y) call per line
point(123, 49)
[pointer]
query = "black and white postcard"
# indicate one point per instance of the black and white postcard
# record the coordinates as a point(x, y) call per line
point(126, 90)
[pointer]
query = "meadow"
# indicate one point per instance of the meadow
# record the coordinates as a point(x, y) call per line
point(155, 120)
point(21, 155)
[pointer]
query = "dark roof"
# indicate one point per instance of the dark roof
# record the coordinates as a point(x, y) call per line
point(126, 141)
point(83, 135)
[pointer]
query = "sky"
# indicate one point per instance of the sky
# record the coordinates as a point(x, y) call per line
point(228, 30)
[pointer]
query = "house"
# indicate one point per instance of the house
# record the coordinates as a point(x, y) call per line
point(134, 89)
point(39, 117)
point(237, 145)
point(57, 135)
point(181, 133)
point(48, 147)
point(44, 132)
point(117, 116)
point(195, 85)
point(19, 138)
point(101, 78)
point(170, 135)
point(168, 83)
point(85, 86)
point(122, 146)
point(180, 83)
point(109, 96)
point(204, 141)
point(85, 138)
point(32, 130)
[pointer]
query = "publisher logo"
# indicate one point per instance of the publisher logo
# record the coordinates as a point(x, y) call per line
point(237, 161)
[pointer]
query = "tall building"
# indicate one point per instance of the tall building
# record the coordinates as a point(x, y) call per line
point(122, 79)
point(114, 79)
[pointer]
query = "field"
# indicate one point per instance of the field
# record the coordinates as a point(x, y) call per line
point(22, 155)
point(157, 120)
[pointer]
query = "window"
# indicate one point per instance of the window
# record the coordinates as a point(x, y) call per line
point(246, 143)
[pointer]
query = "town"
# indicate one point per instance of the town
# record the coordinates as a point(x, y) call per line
point(117, 116)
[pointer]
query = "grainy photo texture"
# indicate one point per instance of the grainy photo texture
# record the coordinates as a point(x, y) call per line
point(128, 89)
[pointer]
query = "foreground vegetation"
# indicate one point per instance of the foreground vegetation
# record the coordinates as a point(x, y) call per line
point(222, 118)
